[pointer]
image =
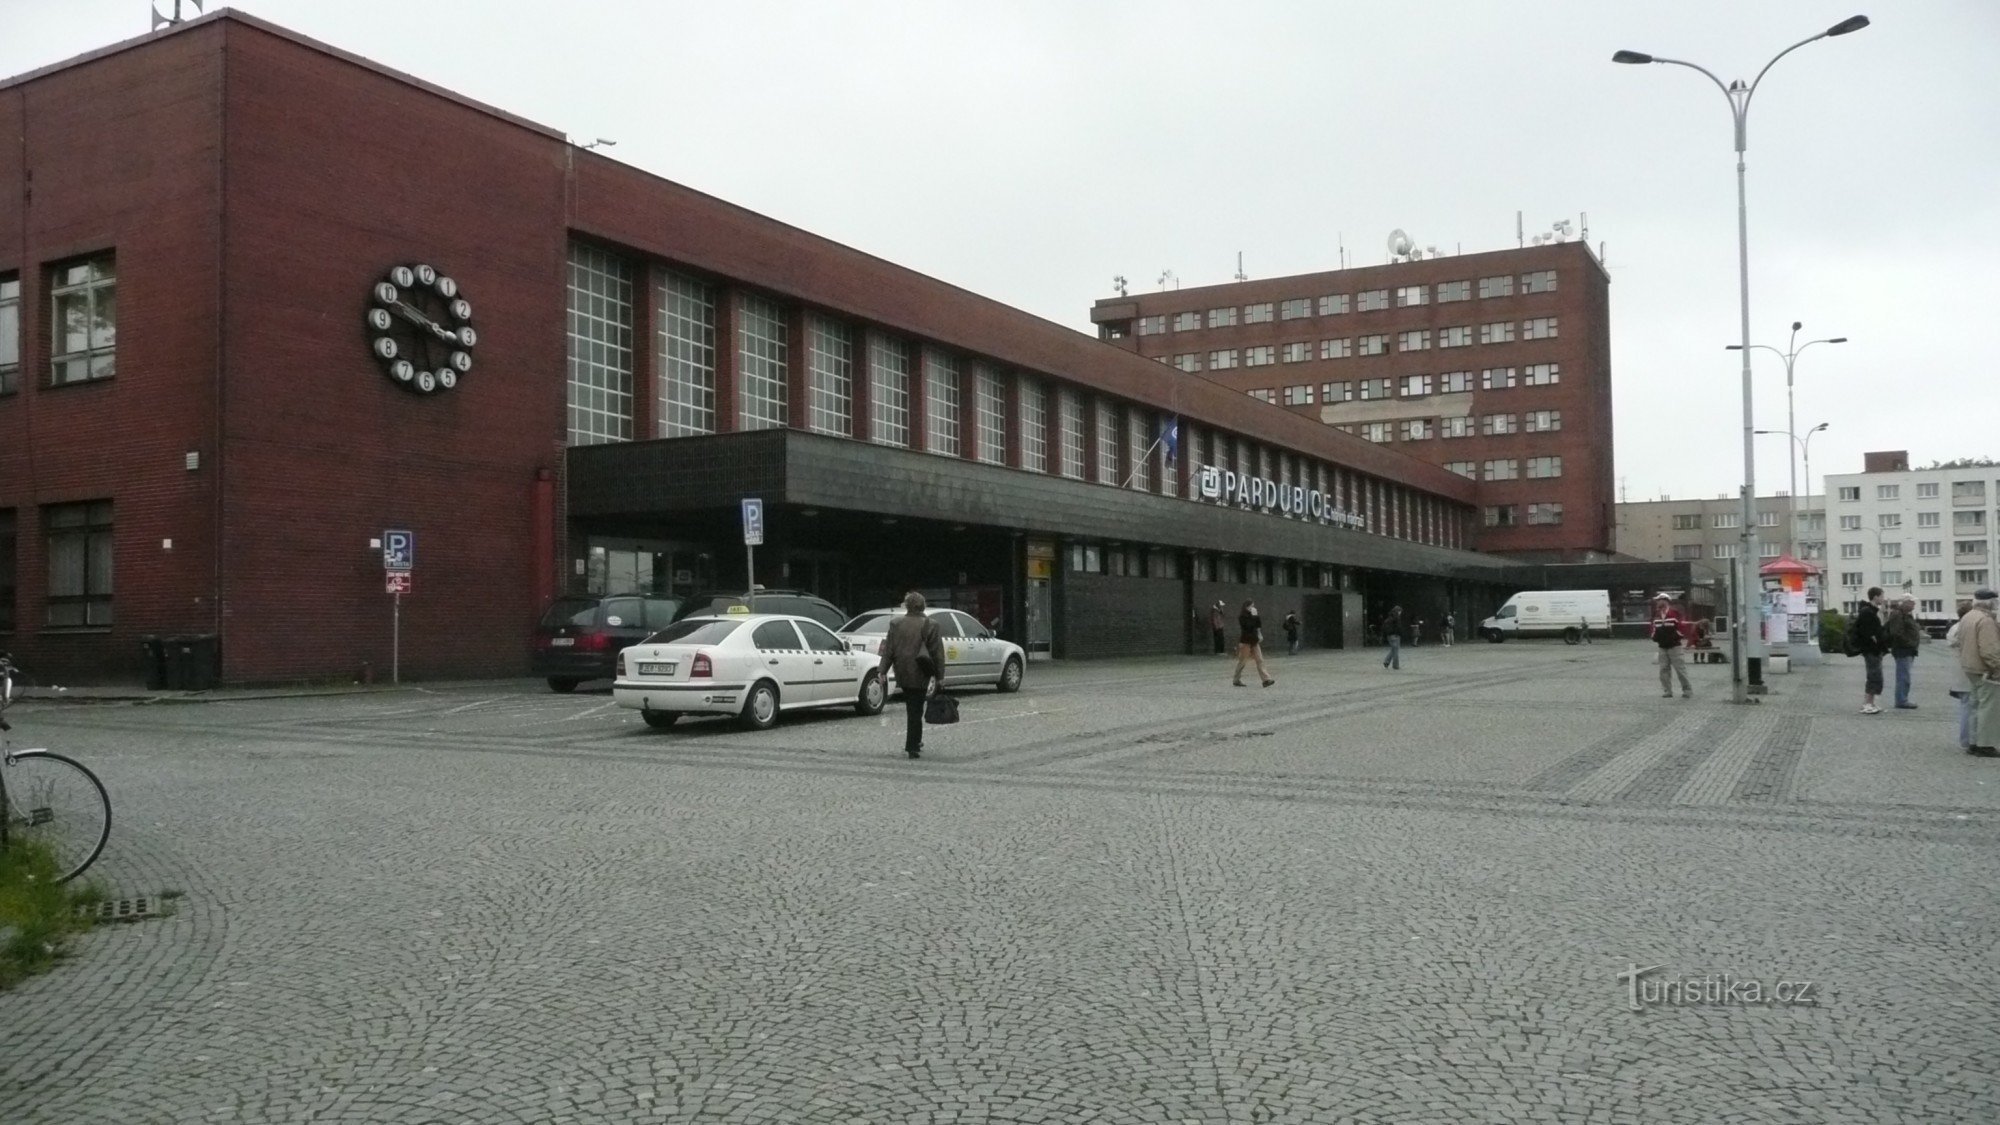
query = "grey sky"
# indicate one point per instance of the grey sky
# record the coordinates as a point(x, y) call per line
point(1029, 151)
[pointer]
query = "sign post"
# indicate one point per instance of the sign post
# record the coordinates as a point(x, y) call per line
point(399, 560)
point(753, 537)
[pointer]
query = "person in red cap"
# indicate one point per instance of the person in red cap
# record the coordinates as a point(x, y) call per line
point(1668, 624)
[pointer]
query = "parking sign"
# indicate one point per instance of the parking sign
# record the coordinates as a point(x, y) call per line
point(399, 549)
point(753, 523)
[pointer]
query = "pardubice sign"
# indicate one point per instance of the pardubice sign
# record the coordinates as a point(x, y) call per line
point(1264, 494)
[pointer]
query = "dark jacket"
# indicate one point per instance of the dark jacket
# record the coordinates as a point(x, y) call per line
point(910, 636)
point(1392, 625)
point(1291, 625)
point(1904, 634)
point(1870, 639)
point(1249, 628)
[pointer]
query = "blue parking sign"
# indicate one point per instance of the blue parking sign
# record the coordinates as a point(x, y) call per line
point(753, 523)
point(399, 549)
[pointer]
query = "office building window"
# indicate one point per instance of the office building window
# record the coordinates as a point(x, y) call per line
point(1544, 467)
point(1418, 429)
point(1261, 356)
point(1336, 349)
point(1467, 469)
point(764, 364)
point(600, 347)
point(1927, 519)
point(1187, 321)
point(686, 358)
point(1684, 551)
point(1222, 318)
point(1375, 345)
point(1408, 295)
point(1727, 519)
point(1257, 314)
point(84, 301)
point(1295, 352)
point(1222, 360)
point(1372, 389)
point(1415, 340)
point(1496, 378)
point(1495, 424)
point(10, 338)
point(1300, 395)
point(1496, 286)
point(1930, 548)
point(888, 390)
point(1892, 550)
point(1334, 304)
point(1459, 427)
point(1459, 336)
point(1295, 308)
point(1850, 492)
point(1152, 325)
point(1377, 431)
point(1034, 425)
point(79, 577)
point(1372, 300)
point(1687, 522)
point(1887, 491)
point(1725, 550)
point(1071, 418)
point(1540, 281)
point(1850, 550)
point(1972, 578)
point(990, 419)
point(1187, 361)
point(1505, 468)
point(1541, 374)
point(1454, 382)
point(1499, 515)
point(1930, 577)
point(1454, 291)
point(1539, 328)
point(1416, 386)
point(1542, 421)
point(1927, 491)
point(832, 377)
point(1545, 514)
point(1336, 392)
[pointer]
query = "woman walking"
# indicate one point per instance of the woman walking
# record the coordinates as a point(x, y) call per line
point(1250, 644)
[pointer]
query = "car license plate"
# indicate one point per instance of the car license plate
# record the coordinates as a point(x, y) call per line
point(649, 668)
point(561, 642)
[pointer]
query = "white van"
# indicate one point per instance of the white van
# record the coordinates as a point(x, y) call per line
point(1550, 613)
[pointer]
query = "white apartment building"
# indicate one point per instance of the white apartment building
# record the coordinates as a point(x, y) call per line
point(1925, 532)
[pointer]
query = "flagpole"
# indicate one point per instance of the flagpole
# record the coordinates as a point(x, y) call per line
point(1141, 459)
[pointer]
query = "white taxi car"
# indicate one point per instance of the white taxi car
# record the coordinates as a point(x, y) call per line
point(972, 654)
point(751, 665)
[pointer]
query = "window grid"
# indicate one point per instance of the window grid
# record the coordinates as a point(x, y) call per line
point(10, 336)
point(1107, 442)
point(941, 404)
point(84, 326)
point(80, 555)
point(1342, 391)
point(1034, 426)
point(1295, 352)
point(1454, 291)
point(1141, 444)
point(600, 347)
point(1539, 328)
point(1335, 304)
point(1415, 340)
point(990, 419)
point(1261, 356)
point(1541, 468)
point(1542, 421)
point(1541, 374)
point(889, 391)
point(1499, 332)
point(1257, 314)
point(1072, 433)
point(1222, 318)
point(1540, 281)
point(765, 359)
point(1496, 378)
point(1336, 349)
point(1545, 513)
point(1373, 300)
point(832, 375)
point(1375, 345)
point(686, 358)
point(1295, 308)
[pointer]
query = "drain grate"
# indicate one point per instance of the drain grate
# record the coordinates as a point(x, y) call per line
point(126, 909)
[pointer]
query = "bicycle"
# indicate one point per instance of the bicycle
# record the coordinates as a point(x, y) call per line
point(48, 797)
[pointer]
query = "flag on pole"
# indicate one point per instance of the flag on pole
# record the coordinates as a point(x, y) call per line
point(1171, 435)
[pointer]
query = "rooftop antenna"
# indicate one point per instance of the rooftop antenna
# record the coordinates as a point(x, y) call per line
point(601, 142)
point(1562, 229)
point(1400, 246)
point(1340, 242)
point(1586, 227)
point(161, 19)
point(1520, 232)
point(1240, 275)
point(1166, 276)
point(1119, 281)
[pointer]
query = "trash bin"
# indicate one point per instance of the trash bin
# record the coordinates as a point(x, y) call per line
point(155, 656)
point(193, 662)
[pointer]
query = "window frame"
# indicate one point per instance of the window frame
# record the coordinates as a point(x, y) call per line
point(96, 528)
point(99, 361)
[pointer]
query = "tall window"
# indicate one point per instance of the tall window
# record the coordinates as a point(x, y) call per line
point(85, 304)
point(79, 537)
point(990, 402)
point(1107, 442)
point(600, 346)
point(941, 404)
point(686, 358)
point(889, 386)
point(1034, 426)
point(10, 336)
point(1140, 442)
point(1072, 433)
point(832, 377)
point(765, 364)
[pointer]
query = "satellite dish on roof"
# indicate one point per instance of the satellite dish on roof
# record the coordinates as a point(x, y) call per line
point(1400, 245)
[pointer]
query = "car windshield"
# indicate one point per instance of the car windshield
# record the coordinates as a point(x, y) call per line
point(573, 613)
point(867, 623)
point(694, 631)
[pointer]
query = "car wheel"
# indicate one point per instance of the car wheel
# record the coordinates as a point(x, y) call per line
point(760, 707)
point(1572, 636)
point(872, 696)
point(1495, 636)
point(1010, 676)
point(660, 720)
point(562, 684)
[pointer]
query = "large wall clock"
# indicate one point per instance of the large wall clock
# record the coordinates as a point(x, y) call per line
point(420, 328)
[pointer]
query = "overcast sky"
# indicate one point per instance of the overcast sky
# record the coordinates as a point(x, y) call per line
point(1029, 150)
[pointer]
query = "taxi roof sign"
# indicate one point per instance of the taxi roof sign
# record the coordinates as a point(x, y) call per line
point(737, 609)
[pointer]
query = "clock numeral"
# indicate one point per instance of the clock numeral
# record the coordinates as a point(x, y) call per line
point(386, 293)
point(462, 309)
point(426, 274)
point(446, 287)
point(426, 381)
point(385, 347)
point(379, 319)
point(461, 360)
point(447, 379)
point(402, 276)
point(402, 370)
point(467, 336)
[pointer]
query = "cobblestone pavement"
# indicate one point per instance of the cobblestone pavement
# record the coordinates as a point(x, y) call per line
point(1131, 893)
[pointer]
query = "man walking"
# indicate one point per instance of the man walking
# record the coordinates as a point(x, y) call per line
point(1667, 622)
point(915, 649)
point(1250, 644)
point(1979, 657)
point(1392, 631)
point(1963, 692)
point(1870, 642)
point(1904, 635)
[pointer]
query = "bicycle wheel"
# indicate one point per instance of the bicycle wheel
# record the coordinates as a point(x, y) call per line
point(54, 800)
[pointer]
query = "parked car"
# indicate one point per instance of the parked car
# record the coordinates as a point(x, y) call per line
point(972, 654)
point(579, 638)
point(797, 603)
point(750, 665)
point(1550, 613)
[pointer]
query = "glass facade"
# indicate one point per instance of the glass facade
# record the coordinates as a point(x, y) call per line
point(600, 346)
point(763, 364)
point(686, 358)
point(832, 377)
point(889, 391)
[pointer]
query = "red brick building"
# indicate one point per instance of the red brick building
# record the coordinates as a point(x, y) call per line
point(1495, 365)
point(261, 300)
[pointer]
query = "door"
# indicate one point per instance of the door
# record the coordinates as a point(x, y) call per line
point(834, 669)
point(784, 658)
point(955, 653)
point(981, 653)
point(1039, 626)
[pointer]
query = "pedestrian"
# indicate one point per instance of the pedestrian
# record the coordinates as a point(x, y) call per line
point(1392, 631)
point(915, 650)
point(1450, 629)
point(1667, 623)
point(1963, 692)
point(1904, 636)
point(1868, 641)
point(1250, 644)
point(1586, 631)
point(1292, 634)
point(1215, 622)
point(1979, 656)
point(1417, 634)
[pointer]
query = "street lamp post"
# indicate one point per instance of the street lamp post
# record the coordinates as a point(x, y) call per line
point(1802, 446)
point(1791, 356)
point(1738, 95)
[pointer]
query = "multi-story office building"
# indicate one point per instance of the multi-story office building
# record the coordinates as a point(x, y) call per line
point(1697, 530)
point(1495, 365)
point(1925, 532)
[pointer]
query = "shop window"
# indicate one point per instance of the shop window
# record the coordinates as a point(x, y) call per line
point(79, 576)
point(600, 347)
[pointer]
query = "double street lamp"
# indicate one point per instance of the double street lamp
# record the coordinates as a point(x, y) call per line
point(1801, 447)
point(1738, 96)
point(1791, 357)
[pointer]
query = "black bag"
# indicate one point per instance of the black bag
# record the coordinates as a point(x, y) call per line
point(940, 709)
point(1666, 633)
